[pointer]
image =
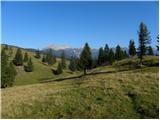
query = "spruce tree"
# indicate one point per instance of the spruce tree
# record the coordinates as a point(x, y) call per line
point(111, 56)
point(29, 67)
point(18, 59)
point(85, 61)
point(144, 40)
point(106, 53)
point(8, 71)
point(50, 59)
point(150, 51)
point(119, 53)
point(132, 49)
point(158, 43)
point(4, 65)
point(101, 56)
point(38, 55)
point(63, 60)
point(12, 74)
point(25, 57)
point(59, 68)
point(72, 65)
point(44, 58)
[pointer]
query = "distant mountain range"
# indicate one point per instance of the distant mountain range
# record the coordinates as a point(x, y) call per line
point(69, 52)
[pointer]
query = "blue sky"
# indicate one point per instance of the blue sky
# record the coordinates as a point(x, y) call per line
point(39, 24)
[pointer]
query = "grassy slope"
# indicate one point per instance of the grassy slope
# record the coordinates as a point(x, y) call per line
point(129, 94)
point(41, 71)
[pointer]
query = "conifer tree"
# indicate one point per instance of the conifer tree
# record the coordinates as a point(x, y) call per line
point(111, 56)
point(101, 56)
point(59, 68)
point(150, 51)
point(119, 53)
point(38, 55)
point(63, 60)
point(18, 60)
point(158, 43)
point(144, 40)
point(11, 74)
point(50, 59)
point(132, 49)
point(25, 57)
point(106, 53)
point(125, 54)
point(44, 58)
point(85, 61)
point(29, 67)
point(72, 65)
point(8, 71)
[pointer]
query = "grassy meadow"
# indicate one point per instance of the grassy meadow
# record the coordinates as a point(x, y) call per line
point(132, 93)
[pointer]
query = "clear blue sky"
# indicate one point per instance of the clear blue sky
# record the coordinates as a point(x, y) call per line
point(39, 24)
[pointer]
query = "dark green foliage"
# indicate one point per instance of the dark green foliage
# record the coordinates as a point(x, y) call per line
point(106, 53)
point(10, 51)
point(29, 67)
point(144, 40)
point(132, 48)
point(38, 55)
point(101, 58)
point(18, 59)
point(44, 58)
point(150, 51)
point(25, 57)
point(59, 68)
point(63, 60)
point(8, 71)
point(85, 61)
point(158, 43)
point(119, 55)
point(73, 64)
point(50, 59)
point(125, 54)
point(111, 56)
point(6, 47)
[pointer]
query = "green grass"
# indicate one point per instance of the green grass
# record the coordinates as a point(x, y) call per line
point(97, 96)
point(127, 94)
point(41, 71)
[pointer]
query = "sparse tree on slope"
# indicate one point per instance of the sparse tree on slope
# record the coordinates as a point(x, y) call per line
point(106, 53)
point(73, 65)
point(38, 55)
point(50, 59)
point(59, 68)
point(132, 49)
point(25, 57)
point(144, 40)
point(111, 56)
point(63, 60)
point(18, 60)
point(150, 51)
point(85, 58)
point(158, 43)
point(29, 67)
point(119, 53)
point(101, 56)
point(44, 58)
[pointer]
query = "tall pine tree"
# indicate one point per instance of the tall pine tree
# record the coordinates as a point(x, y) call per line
point(59, 68)
point(101, 56)
point(85, 58)
point(106, 53)
point(18, 59)
point(111, 56)
point(63, 60)
point(25, 57)
point(132, 48)
point(50, 59)
point(150, 51)
point(37, 54)
point(144, 40)
point(119, 53)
